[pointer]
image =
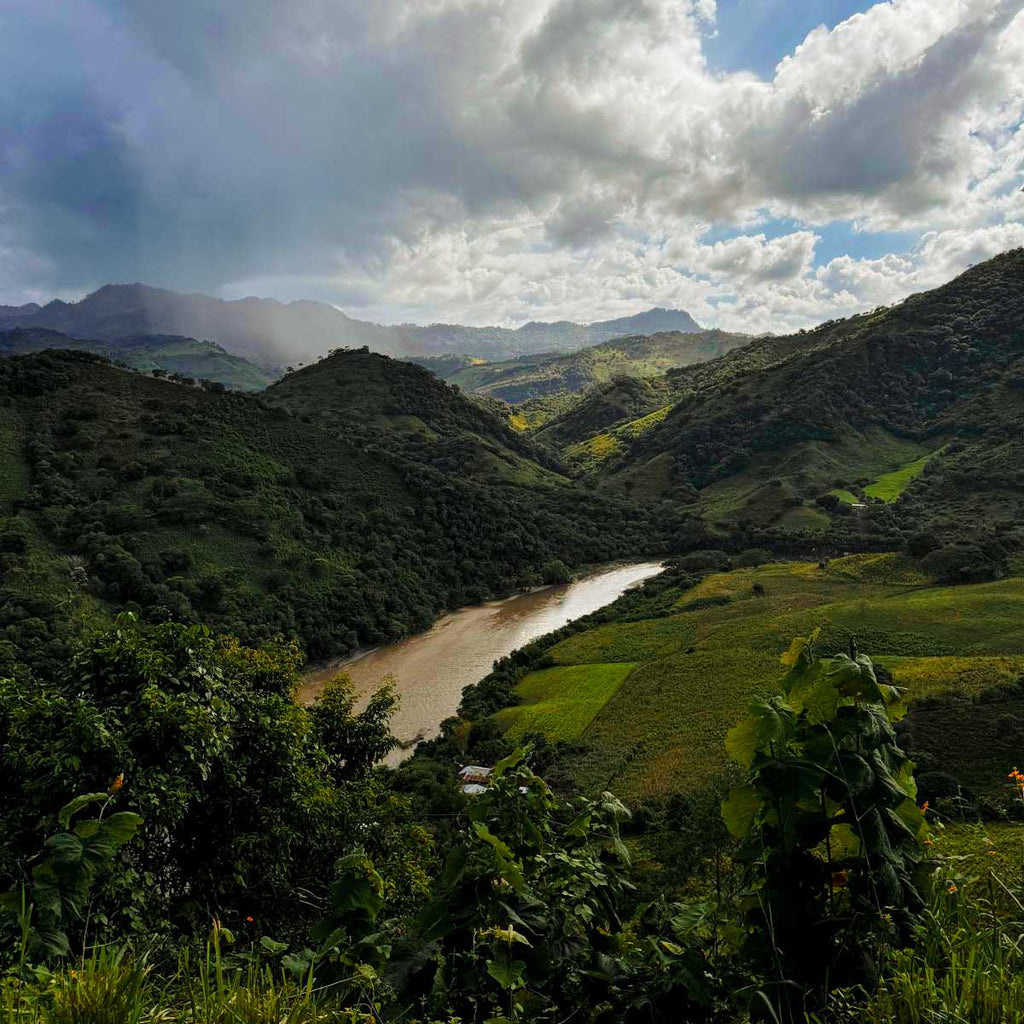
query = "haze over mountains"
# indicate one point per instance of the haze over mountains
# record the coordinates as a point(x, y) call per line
point(274, 334)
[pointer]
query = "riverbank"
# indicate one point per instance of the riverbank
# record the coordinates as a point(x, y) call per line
point(431, 669)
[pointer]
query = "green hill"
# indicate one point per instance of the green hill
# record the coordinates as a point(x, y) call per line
point(199, 360)
point(355, 503)
point(519, 380)
point(920, 402)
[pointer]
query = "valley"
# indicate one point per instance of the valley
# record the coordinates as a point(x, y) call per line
point(512, 512)
point(527, 378)
point(295, 612)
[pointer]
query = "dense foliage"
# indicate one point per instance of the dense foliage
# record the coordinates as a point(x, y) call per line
point(238, 815)
point(354, 504)
point(245, 795)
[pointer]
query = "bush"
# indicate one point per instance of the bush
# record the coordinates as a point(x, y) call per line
point(752, 557)
point(956, 563)
point(555, 571)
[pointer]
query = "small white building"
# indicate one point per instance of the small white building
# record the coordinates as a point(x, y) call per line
point(474, 778)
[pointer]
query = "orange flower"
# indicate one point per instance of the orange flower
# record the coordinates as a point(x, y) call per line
point(928, 842)
point(924, 807)
point(116, 785)
point(951, 888)
point(249, 919)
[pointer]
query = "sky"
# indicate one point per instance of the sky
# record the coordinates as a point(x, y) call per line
point(763, 164)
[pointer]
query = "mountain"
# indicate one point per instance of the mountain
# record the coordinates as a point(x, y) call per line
point(351, 503)
point(200, 360)
point(921, 401)
point(274, 334)
point(528, 377)
point(267, 331)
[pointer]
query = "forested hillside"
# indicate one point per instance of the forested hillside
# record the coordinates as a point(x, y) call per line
point(169, 353)
point(794, 433)
point(356, 502)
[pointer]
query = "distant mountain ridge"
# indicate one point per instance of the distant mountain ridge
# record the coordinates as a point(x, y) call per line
point(275, 334)
point(200, 360)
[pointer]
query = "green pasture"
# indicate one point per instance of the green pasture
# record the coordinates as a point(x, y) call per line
point(844, 495)
point(889, 486)
point(561, 702)
point(686, 678)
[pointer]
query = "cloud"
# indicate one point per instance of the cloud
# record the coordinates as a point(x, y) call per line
point(500, 160)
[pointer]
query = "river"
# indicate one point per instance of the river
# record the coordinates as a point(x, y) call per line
point(431, 668)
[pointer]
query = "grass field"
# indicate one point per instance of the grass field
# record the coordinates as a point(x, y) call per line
point(689, 676)
point(562, 702)
point(889, 486)
point(844, 495)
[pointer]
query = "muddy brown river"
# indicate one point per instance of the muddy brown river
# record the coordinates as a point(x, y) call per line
point(431, 669)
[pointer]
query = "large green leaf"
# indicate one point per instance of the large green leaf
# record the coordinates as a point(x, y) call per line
point(769, 722)
point(359, 889)
point(506, 862)
point(739, 809)
point(516, 757)
point(120, 827)
point(507, 973)
point(843, 843)
point(855, 772)
point(69, 810)
point(822, 702)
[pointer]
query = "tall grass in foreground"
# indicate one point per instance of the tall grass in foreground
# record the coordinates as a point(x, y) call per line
point(113, 987)
point(967, 964)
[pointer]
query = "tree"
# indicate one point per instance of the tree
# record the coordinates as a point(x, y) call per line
point(354, 743)
point(555, 571)
point(245, 806)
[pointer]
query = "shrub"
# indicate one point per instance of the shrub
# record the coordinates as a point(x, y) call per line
point(829, 827)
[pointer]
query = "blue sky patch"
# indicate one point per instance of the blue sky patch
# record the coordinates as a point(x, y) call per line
point(754, 35)
point(836, 239)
